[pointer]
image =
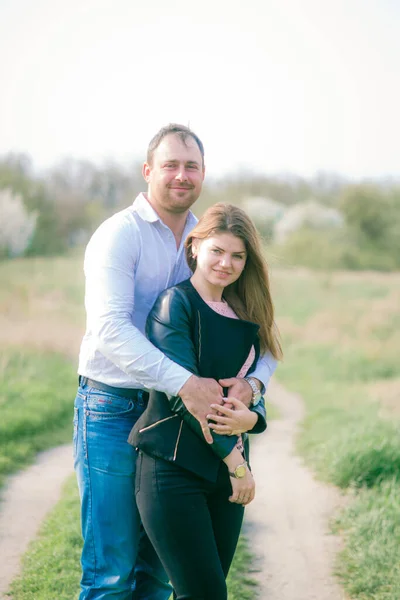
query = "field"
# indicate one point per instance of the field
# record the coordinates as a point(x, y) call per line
point(41, 324)
point(341, 338)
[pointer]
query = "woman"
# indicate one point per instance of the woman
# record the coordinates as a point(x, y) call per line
point(190, 494)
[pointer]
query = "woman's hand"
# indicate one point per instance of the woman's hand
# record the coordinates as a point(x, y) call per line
point(232, 418)
point(243, 489)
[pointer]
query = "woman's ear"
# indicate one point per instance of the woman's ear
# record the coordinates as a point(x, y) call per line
point(195, 247)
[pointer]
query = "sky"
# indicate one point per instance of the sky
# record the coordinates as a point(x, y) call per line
point(270, 86)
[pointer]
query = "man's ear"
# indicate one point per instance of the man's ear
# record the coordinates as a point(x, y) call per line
point(146, 172)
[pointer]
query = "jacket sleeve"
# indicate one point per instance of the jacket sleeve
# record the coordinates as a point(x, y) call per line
point(261, 424)
point(169, 327)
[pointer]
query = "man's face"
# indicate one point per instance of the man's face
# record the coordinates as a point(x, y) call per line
point(176, 174)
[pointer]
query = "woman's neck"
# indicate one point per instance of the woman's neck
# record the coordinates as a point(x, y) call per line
point(208, 292)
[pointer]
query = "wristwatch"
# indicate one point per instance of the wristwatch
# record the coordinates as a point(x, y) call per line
point(239, 472)
point(256, 392)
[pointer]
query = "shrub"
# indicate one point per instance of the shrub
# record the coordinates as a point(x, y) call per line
point(17, 225)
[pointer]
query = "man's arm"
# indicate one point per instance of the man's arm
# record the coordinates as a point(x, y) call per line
point(239, 388)
point(110, 262)
point(264, 370)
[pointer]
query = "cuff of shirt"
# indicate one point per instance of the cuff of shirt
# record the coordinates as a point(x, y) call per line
point(263, 372)
point(175, 380)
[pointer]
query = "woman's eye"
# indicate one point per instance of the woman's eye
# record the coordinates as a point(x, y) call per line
point(216, 251)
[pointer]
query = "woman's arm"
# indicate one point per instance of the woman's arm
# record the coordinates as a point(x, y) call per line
point(243, 488)
point(169, 327)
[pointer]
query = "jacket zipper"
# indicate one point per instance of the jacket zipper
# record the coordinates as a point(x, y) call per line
point(198, 316)
point(157, 423)
point(177, 441)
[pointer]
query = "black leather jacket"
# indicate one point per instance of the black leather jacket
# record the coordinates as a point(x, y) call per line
point(207, 344)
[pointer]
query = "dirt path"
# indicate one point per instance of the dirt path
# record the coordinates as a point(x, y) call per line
point(24, 503)
point(287, 523)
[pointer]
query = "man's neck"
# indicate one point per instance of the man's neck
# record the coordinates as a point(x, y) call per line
point(174, 221)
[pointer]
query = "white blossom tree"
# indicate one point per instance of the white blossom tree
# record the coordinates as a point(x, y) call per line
point(17, 225)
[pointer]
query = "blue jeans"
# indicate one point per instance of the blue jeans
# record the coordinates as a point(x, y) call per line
point(118, 560)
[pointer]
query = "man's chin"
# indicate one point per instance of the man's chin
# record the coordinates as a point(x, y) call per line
point(181, 203)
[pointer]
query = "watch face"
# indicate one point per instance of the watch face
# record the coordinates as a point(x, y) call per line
point(256, 399)
point(240, 471)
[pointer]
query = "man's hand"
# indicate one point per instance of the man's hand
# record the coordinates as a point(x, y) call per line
point(238, 388)
point(198, 394)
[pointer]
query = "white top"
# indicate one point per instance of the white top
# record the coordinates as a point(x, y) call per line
point(130, 259)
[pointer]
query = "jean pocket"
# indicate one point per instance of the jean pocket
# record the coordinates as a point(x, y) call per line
point(103, 405)
point(75, 433)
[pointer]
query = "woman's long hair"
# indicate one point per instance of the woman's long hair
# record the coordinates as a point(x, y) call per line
point(250, 295)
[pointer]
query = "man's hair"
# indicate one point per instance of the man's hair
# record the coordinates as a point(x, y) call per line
point(181, 131)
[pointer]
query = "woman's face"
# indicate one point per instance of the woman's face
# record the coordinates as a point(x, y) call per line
point(221, 258)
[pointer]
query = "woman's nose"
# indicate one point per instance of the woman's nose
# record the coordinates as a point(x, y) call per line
point(225, 261)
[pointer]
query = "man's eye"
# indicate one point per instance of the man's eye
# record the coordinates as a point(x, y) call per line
point(216, 251)
point(193, 167)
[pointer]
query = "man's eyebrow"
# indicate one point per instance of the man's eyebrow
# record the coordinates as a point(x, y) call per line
point(175, 160)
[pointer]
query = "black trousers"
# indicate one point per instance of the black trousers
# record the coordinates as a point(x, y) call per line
point(191, 524)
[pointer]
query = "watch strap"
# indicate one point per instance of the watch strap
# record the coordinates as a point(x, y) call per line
point(256, 392)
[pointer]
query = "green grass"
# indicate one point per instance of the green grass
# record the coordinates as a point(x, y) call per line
point(369, 567)
point(54, 283)
point(36, 400)
point(51, 567)
point(346, 437)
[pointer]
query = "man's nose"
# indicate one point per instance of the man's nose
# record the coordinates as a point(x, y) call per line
point(181, 174)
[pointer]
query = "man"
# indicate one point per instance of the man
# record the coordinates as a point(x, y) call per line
point(130, 259)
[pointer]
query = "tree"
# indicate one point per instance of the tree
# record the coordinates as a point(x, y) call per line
point(17, 225)
point(367, 210)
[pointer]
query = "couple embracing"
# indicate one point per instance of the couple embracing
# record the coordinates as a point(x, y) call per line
point(179, 347)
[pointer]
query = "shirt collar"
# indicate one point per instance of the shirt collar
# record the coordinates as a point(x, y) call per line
point(144, 209)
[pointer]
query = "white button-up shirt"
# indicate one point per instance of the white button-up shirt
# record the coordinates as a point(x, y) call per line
point(129, 261)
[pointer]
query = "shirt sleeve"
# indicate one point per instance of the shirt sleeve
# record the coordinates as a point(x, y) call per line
point(110, 261)
point(264, 369)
